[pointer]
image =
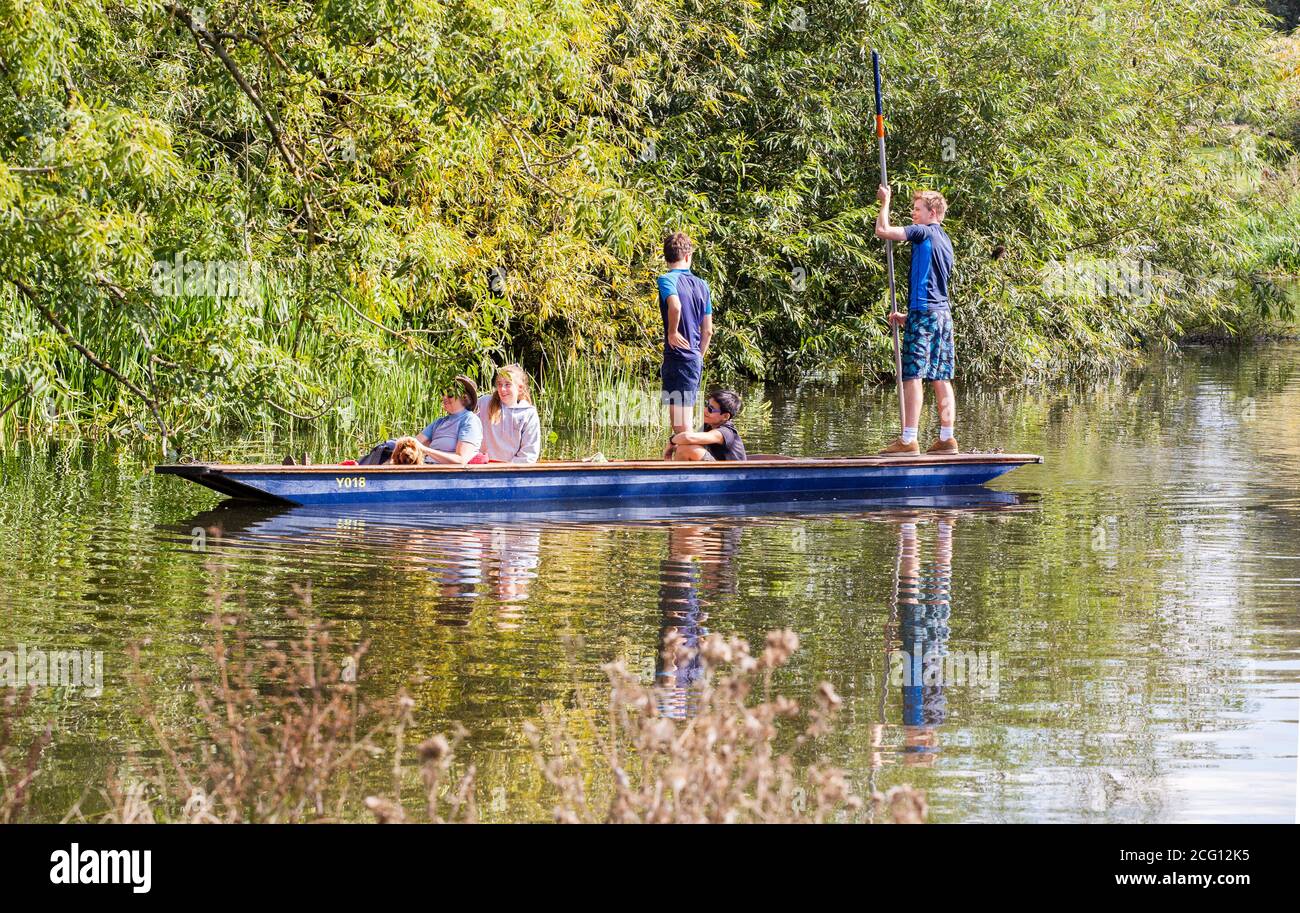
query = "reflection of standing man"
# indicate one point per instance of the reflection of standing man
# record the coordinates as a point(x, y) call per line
point(923, 601)
point(699, 559)
point(686, 306)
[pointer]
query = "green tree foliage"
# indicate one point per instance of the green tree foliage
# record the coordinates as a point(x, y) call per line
point(249, 211)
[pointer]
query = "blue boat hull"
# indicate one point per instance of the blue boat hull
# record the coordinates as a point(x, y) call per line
point(630, 482)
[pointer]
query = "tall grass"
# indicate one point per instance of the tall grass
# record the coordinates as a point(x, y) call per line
point(586, 406)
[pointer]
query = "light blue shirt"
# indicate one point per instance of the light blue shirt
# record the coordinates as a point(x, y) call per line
point(445, 433)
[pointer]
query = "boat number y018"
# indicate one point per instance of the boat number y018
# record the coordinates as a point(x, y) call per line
point(351, 481)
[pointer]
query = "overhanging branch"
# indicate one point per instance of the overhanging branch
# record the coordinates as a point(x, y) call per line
point(49, 316)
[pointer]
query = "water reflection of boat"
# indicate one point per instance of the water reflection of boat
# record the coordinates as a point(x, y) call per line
point(633, 481)
point(500, 552)
point(305, 522)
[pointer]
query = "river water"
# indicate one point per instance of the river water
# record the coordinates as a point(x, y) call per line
point(1111, 636)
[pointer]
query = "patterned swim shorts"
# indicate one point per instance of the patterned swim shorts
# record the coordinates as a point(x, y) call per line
point(928, 351)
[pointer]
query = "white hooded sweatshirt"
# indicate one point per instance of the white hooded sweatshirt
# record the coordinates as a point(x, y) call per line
point(515, 437)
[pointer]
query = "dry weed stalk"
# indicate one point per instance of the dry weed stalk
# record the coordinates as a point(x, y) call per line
point(436, 755)
point(19, 766)
point(721, 766)
point(280, 738)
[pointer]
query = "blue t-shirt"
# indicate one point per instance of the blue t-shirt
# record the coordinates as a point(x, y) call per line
point(927, 288)
point(696, 304)
point(445, 433)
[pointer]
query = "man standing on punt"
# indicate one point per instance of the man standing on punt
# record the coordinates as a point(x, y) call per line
point(687, 310)
point(927, 352)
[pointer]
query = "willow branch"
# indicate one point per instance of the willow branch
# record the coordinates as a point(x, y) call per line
point(30, 294)
point(528, 168)
point(212, 41)
point(16, 400)
point(307, 418)
point(206, 36)
point(370, 320)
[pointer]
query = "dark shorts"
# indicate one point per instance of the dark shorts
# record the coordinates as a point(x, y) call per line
point(928, 351)
point(681, 381)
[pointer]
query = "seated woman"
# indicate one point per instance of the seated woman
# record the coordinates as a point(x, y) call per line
point(718, 439)
point(456, 437)
point(511, 430)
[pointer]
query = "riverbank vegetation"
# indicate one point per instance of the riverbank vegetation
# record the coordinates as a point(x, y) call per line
point(256, 213)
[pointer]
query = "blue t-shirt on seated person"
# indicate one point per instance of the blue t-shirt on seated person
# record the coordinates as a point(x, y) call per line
point(445, 433)
point(696, 303)
point(927, 287)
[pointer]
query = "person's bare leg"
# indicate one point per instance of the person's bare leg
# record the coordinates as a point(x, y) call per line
point(946, 402)
point(912, 398)
point(679, 415)
point(687, 452)
point(906, 442)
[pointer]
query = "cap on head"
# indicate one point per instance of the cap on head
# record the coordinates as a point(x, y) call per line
point(468, 394)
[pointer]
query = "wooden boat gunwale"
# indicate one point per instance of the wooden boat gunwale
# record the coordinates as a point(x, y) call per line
point(662, 465)
point(561, 481)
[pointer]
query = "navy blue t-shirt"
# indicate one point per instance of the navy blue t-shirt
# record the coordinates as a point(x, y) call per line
point(696, 304)
point(927, 288)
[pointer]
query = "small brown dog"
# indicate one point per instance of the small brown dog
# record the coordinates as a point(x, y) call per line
point(406, 452)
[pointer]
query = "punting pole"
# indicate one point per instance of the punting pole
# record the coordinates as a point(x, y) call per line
point(889, 245)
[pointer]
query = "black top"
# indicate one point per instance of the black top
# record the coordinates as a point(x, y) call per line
point(732, 447)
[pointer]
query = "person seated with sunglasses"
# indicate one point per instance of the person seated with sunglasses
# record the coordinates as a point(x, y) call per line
point(718, 439)
point(454, 438)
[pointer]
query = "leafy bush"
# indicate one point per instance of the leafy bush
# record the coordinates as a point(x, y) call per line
point(407, 191)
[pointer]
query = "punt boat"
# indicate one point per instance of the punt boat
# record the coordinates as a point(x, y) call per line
point(507, 486)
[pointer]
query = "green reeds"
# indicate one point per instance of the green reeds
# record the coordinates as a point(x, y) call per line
point(585, 405)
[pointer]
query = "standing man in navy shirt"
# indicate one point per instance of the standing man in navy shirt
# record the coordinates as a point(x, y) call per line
point(687, 310)
point(928, 349)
